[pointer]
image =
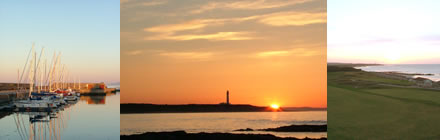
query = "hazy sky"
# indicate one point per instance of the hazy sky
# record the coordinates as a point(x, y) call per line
point(85, 31)
point(378, 31)
point(192, 51)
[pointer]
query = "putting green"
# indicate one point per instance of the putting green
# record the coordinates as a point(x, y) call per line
point(360, 107)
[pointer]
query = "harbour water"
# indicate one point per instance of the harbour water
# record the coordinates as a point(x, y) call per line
point(408, 68)
point(92, 117)
point(223, 122)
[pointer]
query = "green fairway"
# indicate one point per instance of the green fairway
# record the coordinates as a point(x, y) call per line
point(360, 107)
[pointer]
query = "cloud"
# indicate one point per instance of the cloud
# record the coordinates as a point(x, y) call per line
point(274, 19)
point(125, 4)
point(168, 31)
point(153, 3)
point(306, 52)
point(247, 5)
point(134, 53)
point(214, 36)
point(293, 18)
point(124, 1)
point(188, 55)
point(273, 53)
point(302, 52)
point(189, 25)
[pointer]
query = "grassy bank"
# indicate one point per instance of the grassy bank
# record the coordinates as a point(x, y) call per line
point(363, 105)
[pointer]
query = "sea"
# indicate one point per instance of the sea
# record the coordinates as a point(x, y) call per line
point(223, 122)
point(408, 68)
point(92, 117)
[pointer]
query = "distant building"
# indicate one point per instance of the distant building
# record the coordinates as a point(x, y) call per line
point(227, 97)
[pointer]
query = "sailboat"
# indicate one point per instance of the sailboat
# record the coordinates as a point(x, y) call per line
point(34, 103)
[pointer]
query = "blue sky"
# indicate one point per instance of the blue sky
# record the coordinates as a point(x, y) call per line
point(86, 32)
point(377, 31)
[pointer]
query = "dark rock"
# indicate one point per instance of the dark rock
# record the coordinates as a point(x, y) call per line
point(298, 128)
point(182, 135)
point(247, 129)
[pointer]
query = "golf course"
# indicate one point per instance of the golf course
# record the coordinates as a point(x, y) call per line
point(363, 105)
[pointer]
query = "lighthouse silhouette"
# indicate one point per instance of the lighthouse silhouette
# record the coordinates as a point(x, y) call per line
point(227, 97)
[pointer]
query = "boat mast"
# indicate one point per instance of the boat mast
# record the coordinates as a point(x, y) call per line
point(39, 79)
point(74, 83)
point(79, 84)
point(31, 72)
point(25, 65)
point(18, 80)
point(45, 74)
point(49, 76)
point(56, 71)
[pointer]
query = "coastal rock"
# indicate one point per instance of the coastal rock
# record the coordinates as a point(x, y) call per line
point(247, 129)
point(292, 128)
point(182, 135)
point(298, 128)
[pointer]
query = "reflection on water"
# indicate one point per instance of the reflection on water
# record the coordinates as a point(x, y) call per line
point(96, 99)
point(77, 120)
point(223, 122)
point(42, 125)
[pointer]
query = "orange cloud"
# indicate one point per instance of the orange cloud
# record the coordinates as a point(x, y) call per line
point(188, 55)
point(247, 5)
point(293, 18)
point(215, 36)
point(273, 53)
point(126, 4)
point(293, 52)
point(190, 25)
point(135, 52)
point(153, 3)
point(306, 52)
point(274, 19)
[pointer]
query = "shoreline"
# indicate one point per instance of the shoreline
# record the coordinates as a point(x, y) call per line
point(224, 112)
point(205, 108)
point(412, 75)
point(177, 135)
point(417, 82)
point(292, 128)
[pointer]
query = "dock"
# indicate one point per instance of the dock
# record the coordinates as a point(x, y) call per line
point(7, 96)
point(8, 91)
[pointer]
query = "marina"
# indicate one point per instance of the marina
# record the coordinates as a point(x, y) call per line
point(45, 99)
point(48, 86)
point(60, 70)
point(89, 117)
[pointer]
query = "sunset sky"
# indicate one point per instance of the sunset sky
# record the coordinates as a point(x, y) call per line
point(263, 52)
point(85, 32)
point(392, 32)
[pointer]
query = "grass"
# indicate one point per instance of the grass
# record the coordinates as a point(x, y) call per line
point(359, 107)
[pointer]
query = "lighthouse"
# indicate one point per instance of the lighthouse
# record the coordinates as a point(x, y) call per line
point(227, 97)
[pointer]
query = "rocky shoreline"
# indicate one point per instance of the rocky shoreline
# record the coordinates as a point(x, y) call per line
point(417, 82)
point(292, 128)
point(182, 135)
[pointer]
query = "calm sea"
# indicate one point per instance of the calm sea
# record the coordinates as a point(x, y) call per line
point(92, 117)
point(222, 122)
point(409, 68)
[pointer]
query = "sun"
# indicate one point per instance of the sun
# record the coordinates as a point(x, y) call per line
point(392, 57)
point(275, 106)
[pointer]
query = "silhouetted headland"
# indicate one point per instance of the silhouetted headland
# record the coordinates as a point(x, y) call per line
point(153, 108)
point(182, 135)
point(292, 128)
